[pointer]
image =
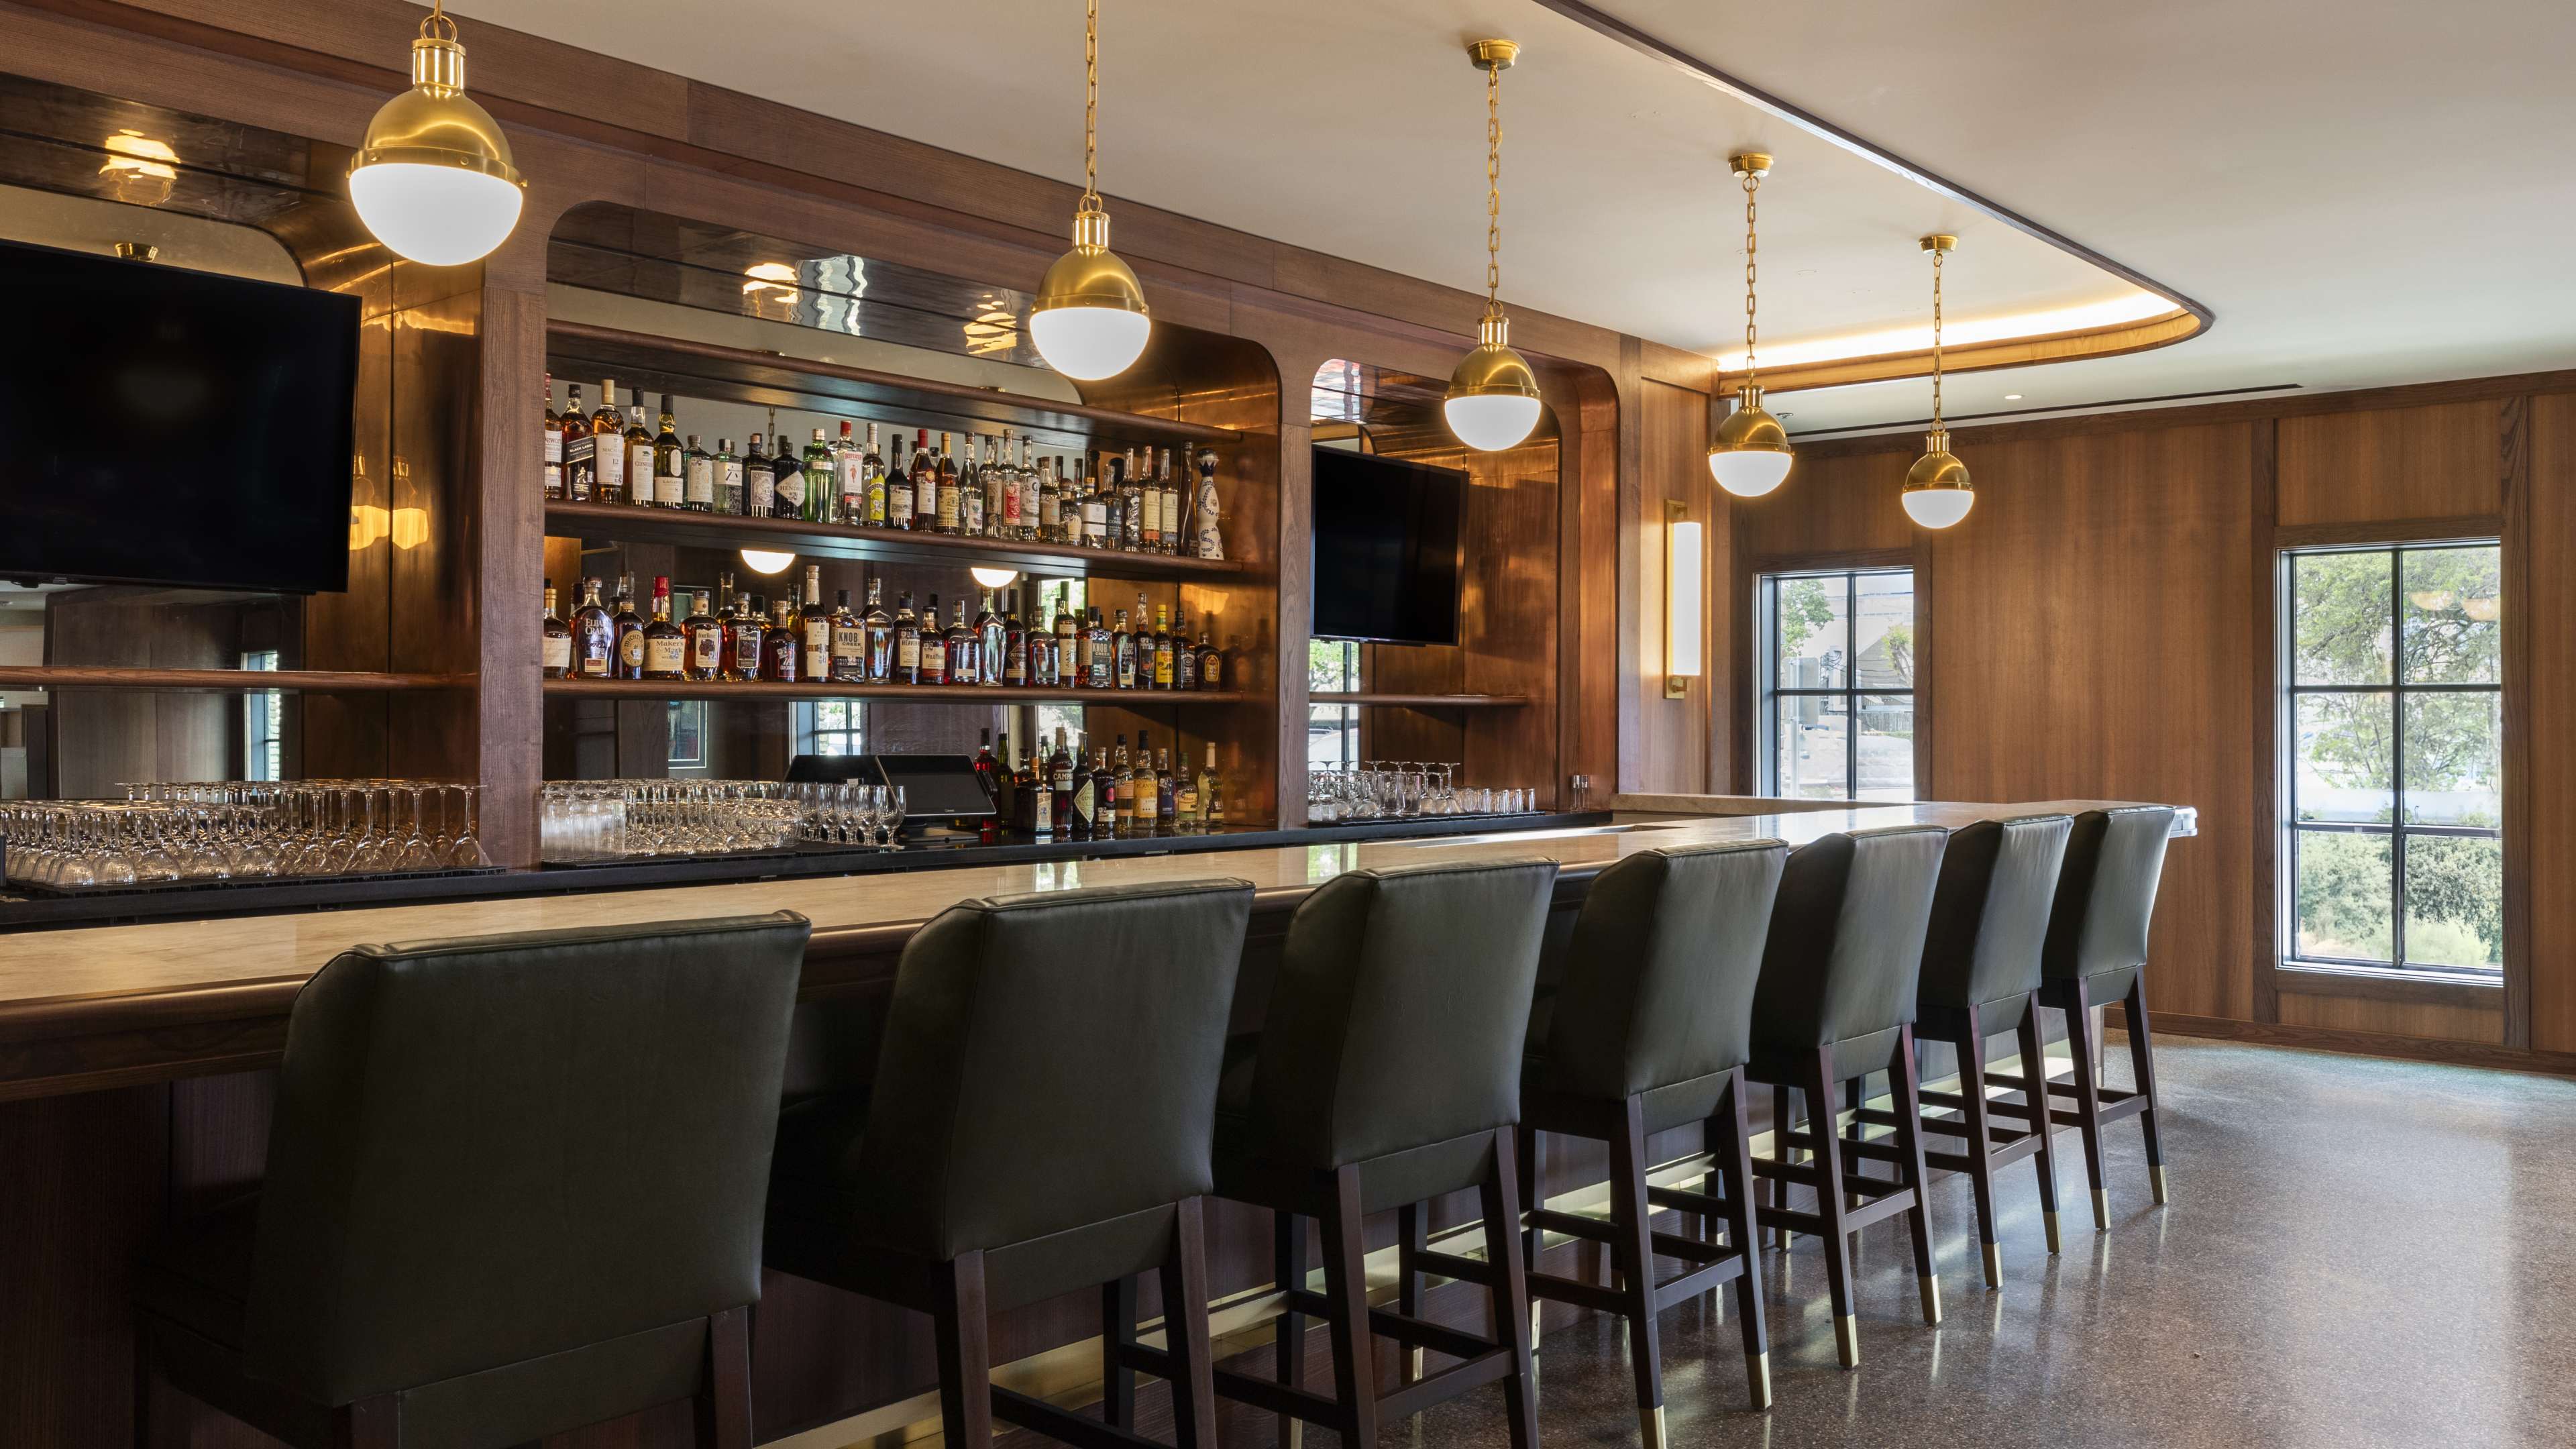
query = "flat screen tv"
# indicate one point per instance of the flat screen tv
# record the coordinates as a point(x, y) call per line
point(1386, 549)
point(164, 426)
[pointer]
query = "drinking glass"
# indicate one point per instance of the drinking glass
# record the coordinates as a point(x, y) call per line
point(465, 852)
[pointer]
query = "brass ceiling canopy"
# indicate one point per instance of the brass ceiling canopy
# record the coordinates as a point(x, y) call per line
point(1937, 492)
point(1750, 453)
point(1493, 398)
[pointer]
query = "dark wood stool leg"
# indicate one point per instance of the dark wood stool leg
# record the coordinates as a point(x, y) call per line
point(1730, 1140)
point(1780, 1149)
point(1410, 1240)
point(1533, 1195)
point(2142, 1065)
point(368, 1424)
point(965, 1356)
point(1909, 1146)
point(1509, 1297)
point(1855, 1097)
point(1185, 1330)
point(724, 1400)
point(1821, 1112)
point(2034, 1073)
point(1346, 1286)
point(1288, 1342)
point(2088, 1096)
point(1633, 1248)
point(1117, 1332)
point(1981, 1142)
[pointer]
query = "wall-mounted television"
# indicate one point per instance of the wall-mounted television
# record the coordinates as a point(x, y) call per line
point(166, 426)
point(1386, 548)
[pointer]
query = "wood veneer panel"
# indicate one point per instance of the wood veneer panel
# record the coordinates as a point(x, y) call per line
point(2548, 689)
point(2439, 1021)
point(2395, 463)
point(1672, 737)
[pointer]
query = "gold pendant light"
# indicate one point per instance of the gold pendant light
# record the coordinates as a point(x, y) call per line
point(1493, 397)
point(1937, 492)
point(1751, 453)
point(1090, 320)
point(433, 179)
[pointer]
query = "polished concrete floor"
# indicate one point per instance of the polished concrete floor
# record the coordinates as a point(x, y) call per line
point(2358, 1252)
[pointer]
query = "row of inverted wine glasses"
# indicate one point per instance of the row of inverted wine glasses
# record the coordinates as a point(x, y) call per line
point(163, 833)
point(594, 820)
point(1404, 790)
point(845, 812)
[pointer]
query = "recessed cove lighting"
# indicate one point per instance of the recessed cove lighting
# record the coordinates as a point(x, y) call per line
point(2012, 397)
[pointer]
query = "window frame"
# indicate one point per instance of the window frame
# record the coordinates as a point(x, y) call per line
point(810, 731)
point(2288, 692)
point(1343, 718)
point(1767, 692)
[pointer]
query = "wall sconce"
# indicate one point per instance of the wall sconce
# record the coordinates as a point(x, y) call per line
point(1683, 606)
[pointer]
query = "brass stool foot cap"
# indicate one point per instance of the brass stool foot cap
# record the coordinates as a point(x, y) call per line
point(2101, 1211)
point(1847, 1339)
point(1932, 1300)
point(2051, 1220)
point(2156, 1179)
point(1757, 1371)
point(1650, 1427)
point(1994, 1266)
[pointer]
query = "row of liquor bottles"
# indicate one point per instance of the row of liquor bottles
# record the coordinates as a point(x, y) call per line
point(1101, 794)
point(991, 488)
point(820, 643)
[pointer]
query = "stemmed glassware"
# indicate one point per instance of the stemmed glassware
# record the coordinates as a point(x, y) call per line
point(208, 832)
point(1405, 790)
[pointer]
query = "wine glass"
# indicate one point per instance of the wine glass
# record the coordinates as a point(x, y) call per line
point(891, 806)
point(465, 852)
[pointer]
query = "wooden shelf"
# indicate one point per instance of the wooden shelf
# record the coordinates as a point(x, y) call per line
point(685, 529)
point(649, 363)
point(243, 681)
point(1425, 701)
point(967, 694)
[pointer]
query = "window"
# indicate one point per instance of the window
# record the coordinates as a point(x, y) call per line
point(1332, 730)
point(263, 724)
point(2393, 731)
point(1056, 596)
point(833, 727)
point(1837, 710)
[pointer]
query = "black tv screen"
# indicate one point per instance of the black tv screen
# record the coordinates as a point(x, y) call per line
point(164, 426)
point(1386, 549)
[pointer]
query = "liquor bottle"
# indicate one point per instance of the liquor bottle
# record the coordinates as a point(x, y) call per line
point(698, 491)
point(814, 625)
point(974, 480)
point(706, 635)
point(1015, 645)
point(1167, 801)
point(729, 499)
point(1149, 527)
point(987, 768)
point(965, 649)
point(1099, 664)
point(594, 636)
point(1010, 515)
point(1166, 671)
point(850, 466)
point(1095, 514)
point(944, 490)
point(555, 654)
point(1069, 651)
point(743, 634)
point(1210, 541)
point(1211, 793)
point(934, 645)
point(1131, 507)
point(630, 631)
point(1115, 775)
point(1185, 655)
point(1044, 525)
point(992, 645)
point(1037, 787)
point(1185, 799)
point(876, 630)
point(778, 646)
point(787, 476)
point(551, 450)
point(759, 481)
point(1144, 799)
point(639, 459)
point(1211, 661)
point(1122, 645)
point(1082, 799)
point(1175, 506)
point(925, 483)
point(666, 644)
point(898, 487)
point(818, 485)
point(575, 444)
point(908, 643)
point(608, 447)
point(670, 462)
point(849, 650)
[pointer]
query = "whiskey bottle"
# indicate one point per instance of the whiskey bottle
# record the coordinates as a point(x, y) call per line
point(1069, 653)
point(1082, 809)
point(1046, 521)
point(1211, 661)
point(1120, 774)
point(608, 447)
point(1149, 528)
point(555, 654)
point(1058, 768)
point(965, 649)
point(849, 644)
point(594, 636)
point(778, 646)
point(551, 450)
point(639, 459)
point(729, 497)
point(814, 624)
point(1167, 805)
point(1211, 793)
point(925, 483)
point(1095, 514)
point(670, 462)
point(1185, 655)
point(898, 487)
point(1122, 647)
point(934, 646)
point(988, 770)
point(1145, 793)
point(1165, 670)
point(1015, 645)
point(819, 484)
point(974, 479)
point(944, 490)
point(1185, 799)
point(1100, 662)
point(575, 444)
point(872, 485)
point(699, 493)
point(630, 631)
point(706, 635)
point(742, 641)
point(787, 480)
point(876, 630)
point(1175, 506)
point(1209, 540)
point(992, 644)
point(850, 467)
point(666, 644)
point(1131, 507)
point(759, 482)
point(907, 643)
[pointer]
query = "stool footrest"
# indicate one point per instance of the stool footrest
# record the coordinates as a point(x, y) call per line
point(1445, 1385)
point(1423, 1333)
point(1690, 1250)
point(1700, 1279)
point(1683, 1199)
point(1273, 1397)
point(1450, 1265)
point(1802, 1173)
point(1573, 1225)
point(1013, 1407)
point(1577, 1292)
point(1895, 1199)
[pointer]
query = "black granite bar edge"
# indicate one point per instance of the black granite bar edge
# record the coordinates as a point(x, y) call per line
point(293, 895)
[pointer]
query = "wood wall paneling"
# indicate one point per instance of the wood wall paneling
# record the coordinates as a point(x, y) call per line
point(2547, 686)
point(2439, 1020)
point(1672, 751)
point(2395, 463)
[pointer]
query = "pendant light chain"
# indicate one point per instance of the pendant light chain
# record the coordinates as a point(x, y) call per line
point(1091, 107)
point(1751, 182)
point(1936, 341)
point(1493, 190)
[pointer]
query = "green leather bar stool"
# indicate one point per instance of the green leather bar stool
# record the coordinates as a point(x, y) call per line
point(1981, 979)
point(1387, 1073)
point(514, 1187)
point(2096, 952)
point(1038, 1124)
point(1648, 1029)
point(1836, 1002)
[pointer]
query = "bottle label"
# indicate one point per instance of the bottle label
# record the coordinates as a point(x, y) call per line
point(558, 653)
point(1064, 778)
point(662, 656)
point(612, 468)
point(554, 446)
point(899, 504)
point(876, 500)
point(907, 652)
point(706, 649)
point(594, 658)
point(934, 657)
point(1011, 506)
point(947, 505)
point(848, 646)
point(702, 481)
point(1044, 811)
point(972, 514)
point(668, 489)
point(1049, 514)
point(639, 470)
point(854, 483)
point(790, 489)
point(729, 477)
point(554, 479)
point(818, 642)
point(1095, 523)
point(746, 647)
point(962, 663)
point(1211, 673)
point(1151, 506)
point(764, 492)
point(1186, 802)
point(1083, 803)
point(787, 660)
point(630, 649)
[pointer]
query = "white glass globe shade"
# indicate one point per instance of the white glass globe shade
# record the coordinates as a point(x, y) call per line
point(1749, 473)
point(1491, 422)
point(441, 216)
point(1090, 343)
point(1938, 507)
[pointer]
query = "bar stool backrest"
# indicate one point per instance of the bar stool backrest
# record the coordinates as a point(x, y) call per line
point(1050, 1062)
point(1846, 941)
point(1400, 1010)
point(2106, 893)
point(492, 1149)
point(1990, 910)
point(1660, 973)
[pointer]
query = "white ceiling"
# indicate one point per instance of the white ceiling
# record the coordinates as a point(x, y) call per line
point(2364, 192)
